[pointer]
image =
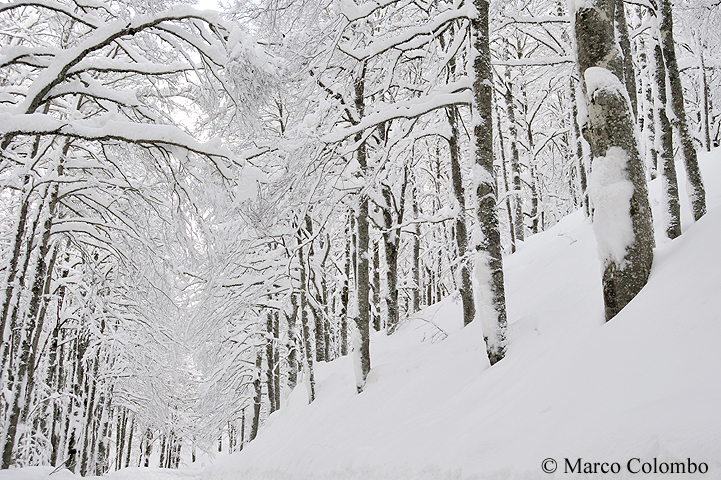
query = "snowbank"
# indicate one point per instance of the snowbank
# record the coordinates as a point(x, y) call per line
point(641, 389)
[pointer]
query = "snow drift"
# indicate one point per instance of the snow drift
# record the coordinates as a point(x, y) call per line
point(642, 388)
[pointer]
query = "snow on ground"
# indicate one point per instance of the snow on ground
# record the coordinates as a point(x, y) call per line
point(644, 386)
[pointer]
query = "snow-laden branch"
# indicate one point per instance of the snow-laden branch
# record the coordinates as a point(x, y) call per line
point(534, 62)
point(539, 20)
point(408, 39)
point(455, 93)
point(139, 133)
point(105, 35)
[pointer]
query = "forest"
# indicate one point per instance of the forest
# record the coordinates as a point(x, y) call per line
point(202, 208)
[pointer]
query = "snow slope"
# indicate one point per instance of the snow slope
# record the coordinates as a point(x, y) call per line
point(645, 385)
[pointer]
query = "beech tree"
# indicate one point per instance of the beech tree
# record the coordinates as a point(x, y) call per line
point(622, 214)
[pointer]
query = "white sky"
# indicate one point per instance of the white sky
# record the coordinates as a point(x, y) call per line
point(207, 4)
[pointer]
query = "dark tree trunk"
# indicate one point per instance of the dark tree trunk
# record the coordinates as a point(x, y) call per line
point(376, 303)
point(257, 398)
point(361, 345)
point(693, 172)
point(624, 41)
point(305, 328)
point(489, 261)
point(668, 172)
point(466, 287)
point(293, 343)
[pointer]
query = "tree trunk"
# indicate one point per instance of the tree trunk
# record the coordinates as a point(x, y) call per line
point(305, 328)
point(622, 216)
point(491, 300)
point(361, 344)
point(466, 287)
point(693, 172)
point(293, 343)
point(376, 288)
point(580, 158)
point(706, 111)
point(257, 398)
point(624, 41)
point(344, 296)
point(668, 172)
point(515, 160)
point(270, 361)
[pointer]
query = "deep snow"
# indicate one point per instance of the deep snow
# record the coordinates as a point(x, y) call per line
point(645, 385)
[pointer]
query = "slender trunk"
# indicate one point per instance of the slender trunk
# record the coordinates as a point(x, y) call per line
point(670, 183)
point(624, 41)
point(270, 361)
point(705, 131)
point(693, 172)
point(504, 171)
point(130, 442)
point(361, 344)
point(276, 367)
point(416, 269)
point(258, 395)
point(293, 343)
point(515, 159)
point(489, 261)
point(344, 296)
point(376, 288)
point(306, 330)
point(466, 287)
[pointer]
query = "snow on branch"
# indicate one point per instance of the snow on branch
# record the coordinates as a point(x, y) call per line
point(514, 20)
point(454, 93)
point(409, 38)
point(138, 133)
point(535, 62)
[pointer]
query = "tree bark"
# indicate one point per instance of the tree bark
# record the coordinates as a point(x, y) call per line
point(489, 261)
point(693, 172)
point(611, 134)
point(668, 172)
point(361, 344)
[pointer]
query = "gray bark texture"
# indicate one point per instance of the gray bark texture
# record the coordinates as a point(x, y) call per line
point(466, 287)
point(611, 124)
point(668, 171)
point(698, 193)
point(362, 280)
point(490, 239)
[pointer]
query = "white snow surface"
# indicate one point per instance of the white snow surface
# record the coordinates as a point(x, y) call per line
point(611, 192)
point(645, 385)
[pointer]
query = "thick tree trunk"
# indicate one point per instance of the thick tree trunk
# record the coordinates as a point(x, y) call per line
point(622, 215)
point(491, 301)
point(693, 172)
